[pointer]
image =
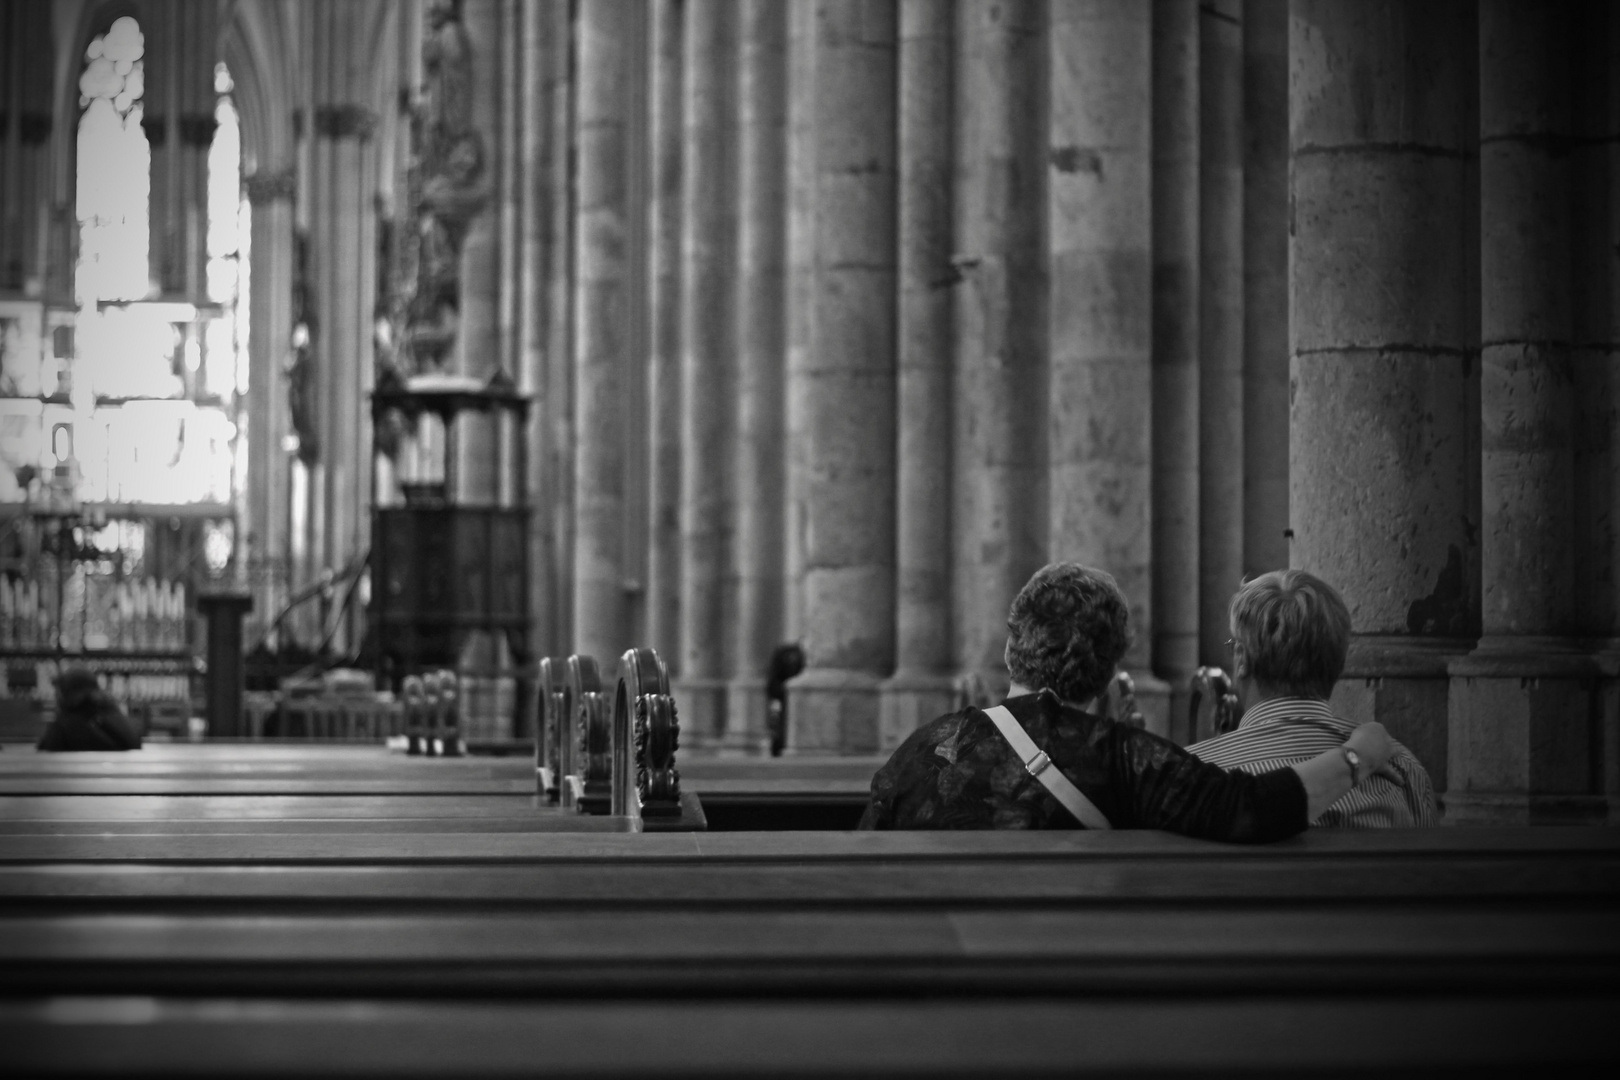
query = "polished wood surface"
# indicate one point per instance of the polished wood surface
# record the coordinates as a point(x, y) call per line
point(444, 924)
point(1393, 1035)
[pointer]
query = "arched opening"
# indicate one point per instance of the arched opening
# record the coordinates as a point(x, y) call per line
point(136, 399)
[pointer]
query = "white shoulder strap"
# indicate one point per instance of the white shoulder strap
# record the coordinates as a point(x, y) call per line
point(1041, 768)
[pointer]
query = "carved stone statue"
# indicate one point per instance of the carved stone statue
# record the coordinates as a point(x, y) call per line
point(446, 191)
point(302, 383)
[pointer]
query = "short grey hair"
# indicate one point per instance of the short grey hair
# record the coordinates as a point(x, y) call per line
point(1068, 629)
point(1295, 630)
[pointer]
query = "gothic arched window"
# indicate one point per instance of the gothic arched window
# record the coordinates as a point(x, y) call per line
point(115, 165)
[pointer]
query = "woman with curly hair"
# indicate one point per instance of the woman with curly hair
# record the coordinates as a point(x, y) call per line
point(1067, 632)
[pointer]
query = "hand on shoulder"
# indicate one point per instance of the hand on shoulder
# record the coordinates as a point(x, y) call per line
point(1372, 744)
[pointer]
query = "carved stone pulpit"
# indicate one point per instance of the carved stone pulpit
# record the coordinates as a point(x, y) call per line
point(447, 563)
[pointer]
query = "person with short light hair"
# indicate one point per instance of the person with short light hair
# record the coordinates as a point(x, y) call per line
point(1068, 630)
point(1290, 638)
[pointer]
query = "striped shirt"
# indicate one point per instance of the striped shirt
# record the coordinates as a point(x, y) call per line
point(1286, 731)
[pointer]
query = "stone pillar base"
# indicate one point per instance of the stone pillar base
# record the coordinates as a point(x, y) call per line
point(1532, 726)
point(745, 731)
point(909, 699)
point(701, 705)
point(833, 711)
point(1404, 684)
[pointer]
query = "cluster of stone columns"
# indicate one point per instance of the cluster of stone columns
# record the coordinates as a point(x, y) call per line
point(899, 322)
point(1453, 382)
point(1533, 707)
point(344, 102)
point(841, 317)
point(179, 122)
point(845, 317)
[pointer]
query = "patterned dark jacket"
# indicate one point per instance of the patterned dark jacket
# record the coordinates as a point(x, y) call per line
point(958, 772)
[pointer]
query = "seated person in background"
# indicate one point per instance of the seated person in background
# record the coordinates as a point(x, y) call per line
point(1290, 637)
point(86, 717)
point(1068, 632)
point(787, 661)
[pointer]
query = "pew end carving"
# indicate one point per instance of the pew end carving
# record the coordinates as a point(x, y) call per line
point(646, 734)
point(552, 757)
point(447, 741)
point(413, 691)
point(589, 779)
point(1213, 707)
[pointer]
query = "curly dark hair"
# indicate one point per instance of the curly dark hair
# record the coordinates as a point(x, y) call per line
point(1068, 628)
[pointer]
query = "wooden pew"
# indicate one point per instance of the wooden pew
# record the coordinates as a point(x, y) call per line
point(1397, 1036)
point(305, 931)
point(219, 779)
point(1462, 928)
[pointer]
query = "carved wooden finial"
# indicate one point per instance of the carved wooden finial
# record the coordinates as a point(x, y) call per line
point(647, 730)
point(590, 784)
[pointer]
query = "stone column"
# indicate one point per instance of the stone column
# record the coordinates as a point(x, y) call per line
point(27, 114)
point(760, 297)
point(196, 55)
point(179, 121)
point(1383, 344)
point(1220, 320)
point(160, 118)
point(159, 108)
point(845, 380)
point(509, 177)
point(1265, 286)
point(707, 371)
point(478, 330)
point(601, 270)
point(1595, 357)
point(551, 297)
point(271, 193)
point(1175, 191)
point(999, 461)
point(535, 148)
point(921, 687)
point(342, 265)
point(1525, 723)
point(1100, 262)
point(666, 127)
point(12, 41)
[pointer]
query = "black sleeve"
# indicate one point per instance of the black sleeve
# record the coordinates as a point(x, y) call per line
point(117, 729)
point(1170, 789)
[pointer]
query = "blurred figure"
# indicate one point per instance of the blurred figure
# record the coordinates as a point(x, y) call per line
point(786, 661)
point(86, 717)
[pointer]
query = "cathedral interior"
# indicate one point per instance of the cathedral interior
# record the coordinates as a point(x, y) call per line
point(342, 341)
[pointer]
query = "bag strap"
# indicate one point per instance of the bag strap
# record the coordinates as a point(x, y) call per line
point(1041, 768)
